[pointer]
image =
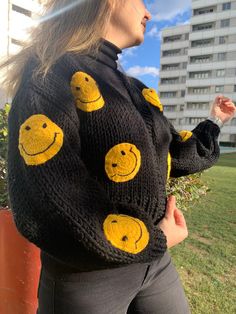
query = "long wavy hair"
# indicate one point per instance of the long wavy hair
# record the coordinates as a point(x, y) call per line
point(65, 26)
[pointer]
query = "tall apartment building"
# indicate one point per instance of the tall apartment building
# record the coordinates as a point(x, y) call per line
point(198, 62)
point(15, 17)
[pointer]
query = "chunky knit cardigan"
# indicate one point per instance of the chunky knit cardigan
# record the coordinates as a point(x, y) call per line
point(90, 152)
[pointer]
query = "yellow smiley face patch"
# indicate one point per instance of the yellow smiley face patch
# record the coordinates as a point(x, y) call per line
point(185, 135)
point(122, 162)
point(168, 165)
point(86, 92)
point(126, 233)
point(152, 97)
point(40, 139)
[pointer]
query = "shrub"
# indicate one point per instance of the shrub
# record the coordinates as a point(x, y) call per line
point(3, 155)
point(187, 189)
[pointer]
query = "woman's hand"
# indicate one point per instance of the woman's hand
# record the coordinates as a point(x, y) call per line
point(223, 108)
point(173, 224)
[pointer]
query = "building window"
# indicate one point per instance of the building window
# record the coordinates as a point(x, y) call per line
point(170, 108)
point(233, 122)
point(234, 88)
point(220, 89)
point(200, 59)
point(203, 11)
point(226, 6)
point(199, 75)
point(170, 80)
point(173, 121)
point(225, 23)
point(194, 121)
point(182, 93)
point(220, 73)
point(197, 106)
point(200, 27)
point(170, 53)
point(202, 42)
point(185, 65)
point(221, 56)
point(168, 94)
point(186, 37)
point(185, 51)
point(223, 39)
point(21, 10)
point(172, 38)
point(168, 67)
point(200, 90)
point(181, 107)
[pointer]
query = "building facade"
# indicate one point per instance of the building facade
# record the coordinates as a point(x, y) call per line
point(16, 17)
point(198, 62)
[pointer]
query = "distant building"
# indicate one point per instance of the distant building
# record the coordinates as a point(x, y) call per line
point(198, 62)
point(15, 17)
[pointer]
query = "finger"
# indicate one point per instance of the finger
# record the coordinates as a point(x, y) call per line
point(226, 98)
point(179, 218)
point(227, 102)
point(171, 206)
point(219, 98)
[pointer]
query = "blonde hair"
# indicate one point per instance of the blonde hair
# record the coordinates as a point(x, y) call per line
point(65, 26)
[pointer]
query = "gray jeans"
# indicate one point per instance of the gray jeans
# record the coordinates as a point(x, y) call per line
point(149, 288)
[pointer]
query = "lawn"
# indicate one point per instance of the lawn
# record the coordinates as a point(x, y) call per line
point(206, 260)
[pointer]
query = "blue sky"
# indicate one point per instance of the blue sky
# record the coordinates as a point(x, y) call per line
point(143, 61)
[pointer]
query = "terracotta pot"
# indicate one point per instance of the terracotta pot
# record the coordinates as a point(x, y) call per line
point(19, 269)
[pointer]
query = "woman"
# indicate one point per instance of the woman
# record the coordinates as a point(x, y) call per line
point(89, 155)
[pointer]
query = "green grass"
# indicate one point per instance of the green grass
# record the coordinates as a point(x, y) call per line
point(206, 260)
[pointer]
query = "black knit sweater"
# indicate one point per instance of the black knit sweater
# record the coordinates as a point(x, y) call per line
point(88, 160)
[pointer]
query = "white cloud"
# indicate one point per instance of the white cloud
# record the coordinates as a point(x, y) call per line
point(140, 71)
point(126, 53)
point(168, 9)
point(154, 32)
point(129, 51)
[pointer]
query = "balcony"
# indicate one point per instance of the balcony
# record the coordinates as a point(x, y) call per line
point(174, 59)
point(196, 113)
point(175, 45)
point(210, 81)
point(172, 73)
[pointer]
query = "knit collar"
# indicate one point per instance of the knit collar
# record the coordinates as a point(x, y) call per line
point(108, 53)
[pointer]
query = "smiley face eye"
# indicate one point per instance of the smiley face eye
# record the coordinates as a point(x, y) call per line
point(77, 88)
point(44, 125)
point(114, 165)
point(86, 79)
point(122, 152)
point(27, 128)
point(125, 238)
point(114, 221)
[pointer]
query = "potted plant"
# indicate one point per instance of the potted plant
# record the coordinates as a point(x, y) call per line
point(19, 259)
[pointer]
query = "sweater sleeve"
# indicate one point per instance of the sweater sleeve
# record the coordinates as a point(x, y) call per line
point(56, 203)
point(189, 151)
point(193, 151)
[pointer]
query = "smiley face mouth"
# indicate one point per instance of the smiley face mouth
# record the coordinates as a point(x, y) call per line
point(89, 102)
point(54, 140)
point(124, 175)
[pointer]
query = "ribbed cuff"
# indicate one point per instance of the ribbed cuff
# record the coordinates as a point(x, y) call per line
point(208, 127)
point(217, 121)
